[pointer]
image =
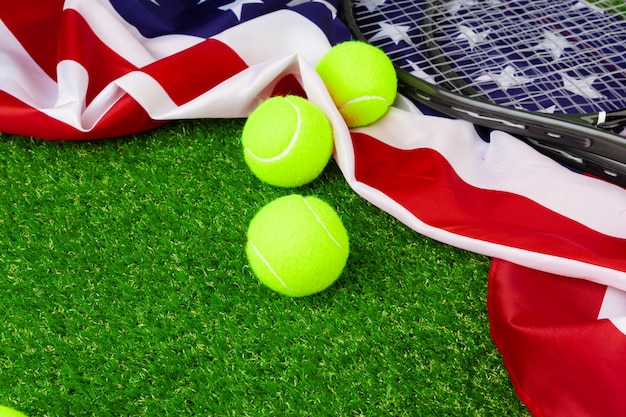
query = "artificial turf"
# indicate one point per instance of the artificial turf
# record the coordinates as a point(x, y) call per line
point(126, 292)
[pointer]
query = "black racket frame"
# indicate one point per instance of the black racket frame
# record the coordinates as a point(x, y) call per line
point(575, 140)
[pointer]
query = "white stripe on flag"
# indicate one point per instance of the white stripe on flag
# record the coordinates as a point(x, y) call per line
point(507, 164)
point(20, 76)
point(274, 35)
point(124, 38)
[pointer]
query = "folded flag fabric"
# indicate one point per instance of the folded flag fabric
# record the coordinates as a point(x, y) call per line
point(76, 69)
point(561, 340)
point(85, 70)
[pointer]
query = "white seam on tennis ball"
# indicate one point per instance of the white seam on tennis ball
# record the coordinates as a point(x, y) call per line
point(292, 141)
point(362, 98)
point(321, 223)
point(267, 264)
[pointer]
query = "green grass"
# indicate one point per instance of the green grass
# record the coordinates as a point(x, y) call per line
point(125, 291)
point(614, 6)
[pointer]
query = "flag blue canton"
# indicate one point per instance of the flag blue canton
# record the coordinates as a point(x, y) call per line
point(206, 18)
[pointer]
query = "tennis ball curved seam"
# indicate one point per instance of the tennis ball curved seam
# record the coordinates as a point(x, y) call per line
point(287, 141)
point(363, 98)
point(269, 266)
point(306, 250)
point(361, 80)
point(292, 141)
point(321, 223)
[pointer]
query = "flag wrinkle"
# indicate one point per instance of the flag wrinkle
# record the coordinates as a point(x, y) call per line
point(562, 360)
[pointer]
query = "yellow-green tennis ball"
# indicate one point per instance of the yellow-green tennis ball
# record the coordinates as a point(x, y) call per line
point(297, 245)
point(361, 81)
point(287, 141)
point(9, 412)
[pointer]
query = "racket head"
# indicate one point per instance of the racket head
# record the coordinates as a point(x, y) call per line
point(540, 55)
point(424, 80)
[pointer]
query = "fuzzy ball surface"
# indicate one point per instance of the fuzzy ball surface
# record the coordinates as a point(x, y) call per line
point(297, 245)
point(361, 81)
point(287, 141)
point(9, 412)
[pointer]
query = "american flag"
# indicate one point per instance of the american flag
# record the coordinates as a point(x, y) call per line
point(79, 69)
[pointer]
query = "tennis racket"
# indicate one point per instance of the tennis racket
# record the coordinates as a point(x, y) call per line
point(552, 71)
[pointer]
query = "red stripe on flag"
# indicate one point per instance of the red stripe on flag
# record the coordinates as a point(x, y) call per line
point(37, 25)
point(125, 117)
point(184, 75)
point(562, 360)
point(196, 70)
point(423, 182)
point(289, 85)
point(79, 43)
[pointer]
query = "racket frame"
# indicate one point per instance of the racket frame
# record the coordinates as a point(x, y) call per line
point(573, 132)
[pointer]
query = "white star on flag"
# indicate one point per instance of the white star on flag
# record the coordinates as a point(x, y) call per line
point(333, 9)
point(396, 33)
point(419, 73)
point(506, 78)
point(237, 5)
point(614, 308)
point(585, 5)
point(455, 5)
point(474, 39)
point(371, 5)
point(554, 43)
point(581, 86)
point(548, 110)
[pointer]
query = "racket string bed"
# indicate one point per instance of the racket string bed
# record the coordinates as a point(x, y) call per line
point(546, 56)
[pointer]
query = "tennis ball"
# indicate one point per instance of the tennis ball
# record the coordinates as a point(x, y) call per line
point(361, 81)
point(9, 412)
point(287, 141)
point(297, 245)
